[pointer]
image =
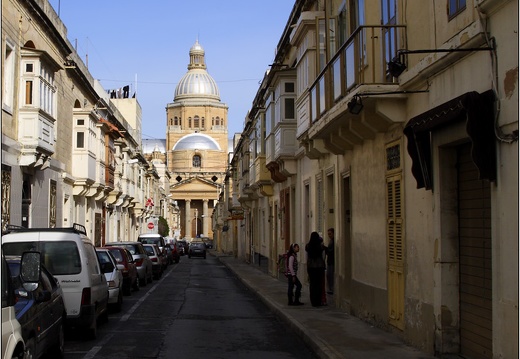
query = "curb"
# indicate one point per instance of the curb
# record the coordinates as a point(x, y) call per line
point(321, 348)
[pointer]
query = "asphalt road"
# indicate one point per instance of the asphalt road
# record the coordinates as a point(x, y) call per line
point(196, 309)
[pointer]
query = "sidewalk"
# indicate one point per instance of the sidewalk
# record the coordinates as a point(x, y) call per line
point(328, 331)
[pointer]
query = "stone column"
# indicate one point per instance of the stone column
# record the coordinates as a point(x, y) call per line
point(205, 218)
point(187, 219)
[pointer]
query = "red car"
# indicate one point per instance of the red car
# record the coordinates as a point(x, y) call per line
point(130, 276)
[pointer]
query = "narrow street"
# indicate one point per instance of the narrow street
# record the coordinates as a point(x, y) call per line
point(197, 308)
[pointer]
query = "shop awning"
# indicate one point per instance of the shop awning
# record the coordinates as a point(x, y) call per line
point(477, 110)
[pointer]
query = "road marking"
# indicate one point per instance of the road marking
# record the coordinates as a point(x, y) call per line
point(125, 317)
point(92, 352)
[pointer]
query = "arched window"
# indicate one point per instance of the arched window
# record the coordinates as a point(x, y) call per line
point(196, 122)
point(189, 122)
point(196, 161)
point(202, 123)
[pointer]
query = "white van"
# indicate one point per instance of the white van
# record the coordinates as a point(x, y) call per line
point(71, 257)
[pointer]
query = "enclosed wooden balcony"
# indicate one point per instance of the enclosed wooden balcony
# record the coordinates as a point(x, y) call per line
point(354, 97)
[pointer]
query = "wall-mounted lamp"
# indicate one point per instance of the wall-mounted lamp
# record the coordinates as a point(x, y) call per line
point(396, 66)
point(355, 105)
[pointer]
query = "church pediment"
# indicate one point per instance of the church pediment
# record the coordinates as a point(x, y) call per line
point(194, 188)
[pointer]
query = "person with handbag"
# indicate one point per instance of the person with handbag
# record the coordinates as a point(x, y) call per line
point(292, 275)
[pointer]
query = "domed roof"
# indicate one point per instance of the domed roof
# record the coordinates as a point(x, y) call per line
point(196, 141)
point(197, 83)
point(153, 145)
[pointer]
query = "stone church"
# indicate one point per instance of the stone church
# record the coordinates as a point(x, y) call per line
point(196, 146)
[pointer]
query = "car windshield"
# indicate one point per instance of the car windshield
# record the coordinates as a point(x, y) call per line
point(60, 258)
point(150, 240)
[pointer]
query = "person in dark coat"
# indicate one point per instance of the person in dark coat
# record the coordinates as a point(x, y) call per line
point(330, 261)
point(315, 268)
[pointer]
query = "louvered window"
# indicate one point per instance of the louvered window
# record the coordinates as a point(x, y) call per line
point(395, 235)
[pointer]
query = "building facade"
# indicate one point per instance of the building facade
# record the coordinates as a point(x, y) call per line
point(70, 152)
point(396, 123)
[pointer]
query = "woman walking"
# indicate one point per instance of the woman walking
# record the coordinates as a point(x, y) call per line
point(315, 268)
point(292, 275)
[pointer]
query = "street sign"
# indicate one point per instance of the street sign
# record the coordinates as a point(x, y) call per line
point(150, 225)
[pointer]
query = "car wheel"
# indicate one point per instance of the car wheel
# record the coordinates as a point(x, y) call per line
point(127, 290)
point(30, 349)
point(59, 347)
point(144, 281)
point(104, 315)
point(92, 330)
point(119, 303)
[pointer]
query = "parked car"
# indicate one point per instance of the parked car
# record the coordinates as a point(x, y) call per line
point(13, 345)
point(41, 312)
point(185, 244)
point(71, 258)
point(180, 248)
point(114, 277)
point(129, 269)
point(142, 261)
point(208, 242)
point(153, 252)
point(169, 253)
point(197, 249)
point(152, 238)
point(175, 254)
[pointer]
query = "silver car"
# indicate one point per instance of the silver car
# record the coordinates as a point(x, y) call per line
point(142, 261)
point(114, 277)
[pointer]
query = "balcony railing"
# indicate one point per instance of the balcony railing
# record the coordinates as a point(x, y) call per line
point(361, 60)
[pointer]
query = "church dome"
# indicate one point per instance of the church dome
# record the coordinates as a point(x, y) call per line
point(197, 83)
point(196, 141)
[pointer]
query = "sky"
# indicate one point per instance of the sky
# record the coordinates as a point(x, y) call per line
point(146, 44)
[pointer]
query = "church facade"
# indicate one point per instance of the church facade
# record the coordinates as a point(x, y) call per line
point(196, 146)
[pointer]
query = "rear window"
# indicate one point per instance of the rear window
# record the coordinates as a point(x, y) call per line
point(133, 249)
point(60, 258)
point(117, 255)
point(149, 250)
point(103, 257)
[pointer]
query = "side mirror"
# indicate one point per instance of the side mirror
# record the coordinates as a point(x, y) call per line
point(30, 267)
point(121, 267)
point(30, 270)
